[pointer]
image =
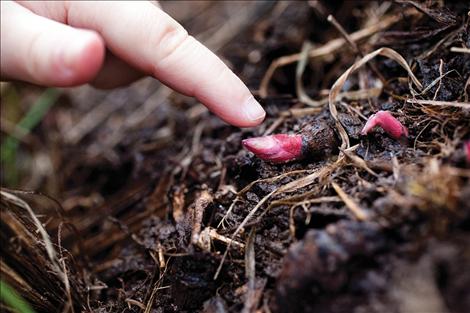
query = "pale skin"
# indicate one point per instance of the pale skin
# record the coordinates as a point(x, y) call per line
point(110, 44)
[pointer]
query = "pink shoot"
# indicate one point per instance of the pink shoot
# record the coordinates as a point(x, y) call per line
point(276, 148)
point(388, 123)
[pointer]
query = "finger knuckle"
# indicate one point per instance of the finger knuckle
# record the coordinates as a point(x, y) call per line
point(170, 41)
point(221, 71)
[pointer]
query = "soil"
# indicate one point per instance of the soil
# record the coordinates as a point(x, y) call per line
point(162, 210)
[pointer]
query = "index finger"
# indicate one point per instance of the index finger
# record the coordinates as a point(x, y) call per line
point(143, 35)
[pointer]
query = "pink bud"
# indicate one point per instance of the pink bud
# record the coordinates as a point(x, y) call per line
point(388, 123)
point(276, 148)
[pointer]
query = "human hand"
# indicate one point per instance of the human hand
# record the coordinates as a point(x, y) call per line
point(108, 44)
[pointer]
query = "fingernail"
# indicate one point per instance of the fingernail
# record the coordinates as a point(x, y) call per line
point(253, 110)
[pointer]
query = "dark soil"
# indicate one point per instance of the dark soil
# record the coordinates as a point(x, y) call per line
point(153, 188)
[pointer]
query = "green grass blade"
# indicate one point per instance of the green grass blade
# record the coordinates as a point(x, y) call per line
point(28, 122)
point(39, 109)
point(9, 296)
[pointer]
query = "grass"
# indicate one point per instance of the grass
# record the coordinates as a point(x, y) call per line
point(12, 299)
point(9, 147)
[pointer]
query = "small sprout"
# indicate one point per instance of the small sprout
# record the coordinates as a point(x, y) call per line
point(279, 148)
point(314, 139)
point(388, 123)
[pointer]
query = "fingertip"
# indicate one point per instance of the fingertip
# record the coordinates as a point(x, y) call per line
point(81, 58)
point(248, 113)
point(253, 112)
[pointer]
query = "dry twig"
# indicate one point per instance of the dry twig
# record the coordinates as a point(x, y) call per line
point(357, 211)
point(456, 104)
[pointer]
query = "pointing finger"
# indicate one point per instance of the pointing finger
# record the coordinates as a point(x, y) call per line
point(146, 37)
